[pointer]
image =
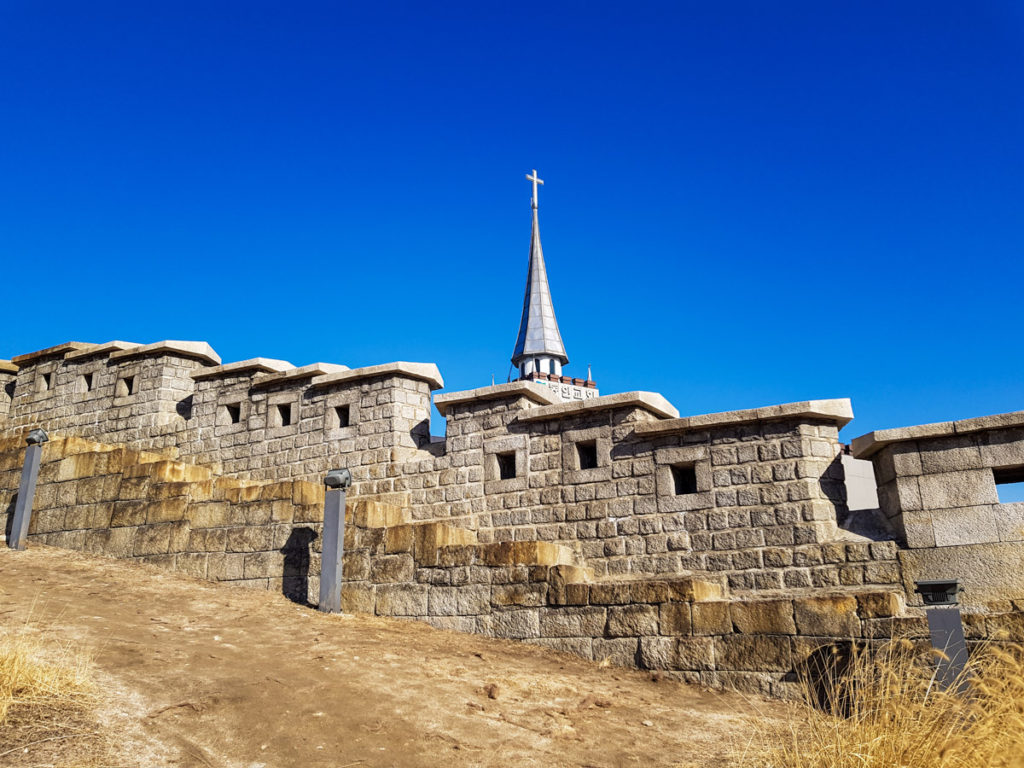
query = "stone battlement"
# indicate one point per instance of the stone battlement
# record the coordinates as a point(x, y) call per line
point(533, 517)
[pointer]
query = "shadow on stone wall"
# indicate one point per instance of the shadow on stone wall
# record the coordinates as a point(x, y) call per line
point(9, 516)
point(869, 523)
point(184, 407)
point(296, 551)
point(823, 674)
point(420, 434)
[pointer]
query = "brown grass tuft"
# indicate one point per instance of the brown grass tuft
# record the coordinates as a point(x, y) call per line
point(46, 699)
point(890, 713)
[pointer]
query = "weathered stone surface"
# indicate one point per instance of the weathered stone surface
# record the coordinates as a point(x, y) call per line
point(357, 598)
point(516, 624)
point(621, 652)
point(674, 619)
point(987, 571)
point(573, 622)
point(392, 568)
point(827, 616)
point(670, 653)
point(401, 600)
point(577, 646)
point(753, 653)
point(770, 617)
point(519, 594)
point(876, 605)
point(152, 540)
point(711, 618)
point(630, 620)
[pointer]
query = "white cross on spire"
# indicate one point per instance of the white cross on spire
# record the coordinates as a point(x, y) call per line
point(536, 180)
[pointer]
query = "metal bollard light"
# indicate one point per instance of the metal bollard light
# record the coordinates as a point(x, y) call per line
point(337, 481)
point(27, 488)
point(946, 628)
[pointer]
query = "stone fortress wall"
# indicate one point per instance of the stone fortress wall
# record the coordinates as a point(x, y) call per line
point(590, 526)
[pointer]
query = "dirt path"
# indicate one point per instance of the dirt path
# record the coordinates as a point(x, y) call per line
point(206, 675)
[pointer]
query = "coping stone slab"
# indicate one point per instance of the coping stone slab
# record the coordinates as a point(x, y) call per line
point(100, 349)
point(6, 366)
point(305, 372)
point(427, 372)
point(197, 350)
point(538, 393)
point(866, 445)
point(255, 364)
point(58, 351)
point(649, 401)
point(838, 410)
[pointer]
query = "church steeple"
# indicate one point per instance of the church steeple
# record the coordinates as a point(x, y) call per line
point(539, 347)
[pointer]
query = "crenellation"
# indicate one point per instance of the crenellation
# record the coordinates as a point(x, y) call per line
point(164, 455)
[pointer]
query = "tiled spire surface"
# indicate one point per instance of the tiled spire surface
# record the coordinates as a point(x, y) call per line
point(538, 328)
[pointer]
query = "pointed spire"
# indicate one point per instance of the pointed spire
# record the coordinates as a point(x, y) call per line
point(538, 328)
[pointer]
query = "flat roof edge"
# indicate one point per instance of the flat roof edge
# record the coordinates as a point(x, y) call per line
point(427, 372)
point(196, 350)
point(867, 445)
point(60, 350)
point(254, 364)
point(538, 393)
point(838, 410)
point(649, 401)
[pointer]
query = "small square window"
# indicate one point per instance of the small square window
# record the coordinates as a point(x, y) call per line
point(587, 453)
point(284, 415)
point(684, 479)
point(87, 382)
point(234, 412)
point(342, 414)
point(506, 465)
point(44, 381)
point(1009, 484)
point(125, 386)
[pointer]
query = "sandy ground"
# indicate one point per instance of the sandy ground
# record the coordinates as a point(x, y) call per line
point(198, 674)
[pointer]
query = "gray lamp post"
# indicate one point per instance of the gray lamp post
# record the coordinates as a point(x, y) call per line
point(946, 628)
point(333, 550)
point(27, 488)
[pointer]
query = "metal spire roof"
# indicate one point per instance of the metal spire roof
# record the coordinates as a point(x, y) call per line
point(538, 328)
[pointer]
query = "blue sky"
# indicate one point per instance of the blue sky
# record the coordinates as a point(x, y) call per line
point(746, 203)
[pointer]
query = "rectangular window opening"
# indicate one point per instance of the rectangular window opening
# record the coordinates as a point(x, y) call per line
point(125, 386)
point(587, 453)
point(506, 465)
point(44, 382)
point(284, 415)
point(1009, 484)
point(234, 412)
point(87, 382)
point(341, 416)
point(684, 479)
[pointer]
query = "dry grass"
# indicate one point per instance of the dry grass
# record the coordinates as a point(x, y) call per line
point(47, 696)
point(891, 713)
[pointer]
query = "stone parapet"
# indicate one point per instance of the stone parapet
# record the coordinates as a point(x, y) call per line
point(149, 507)
point(106, 349)
point(195, 350)
point(427, 372)
point(651, 402)
point(838, 412)
point(251, 367)
point(299, 374)
point(60, 350)
point(866, 446)
point(535, 393)
point(938, 486)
